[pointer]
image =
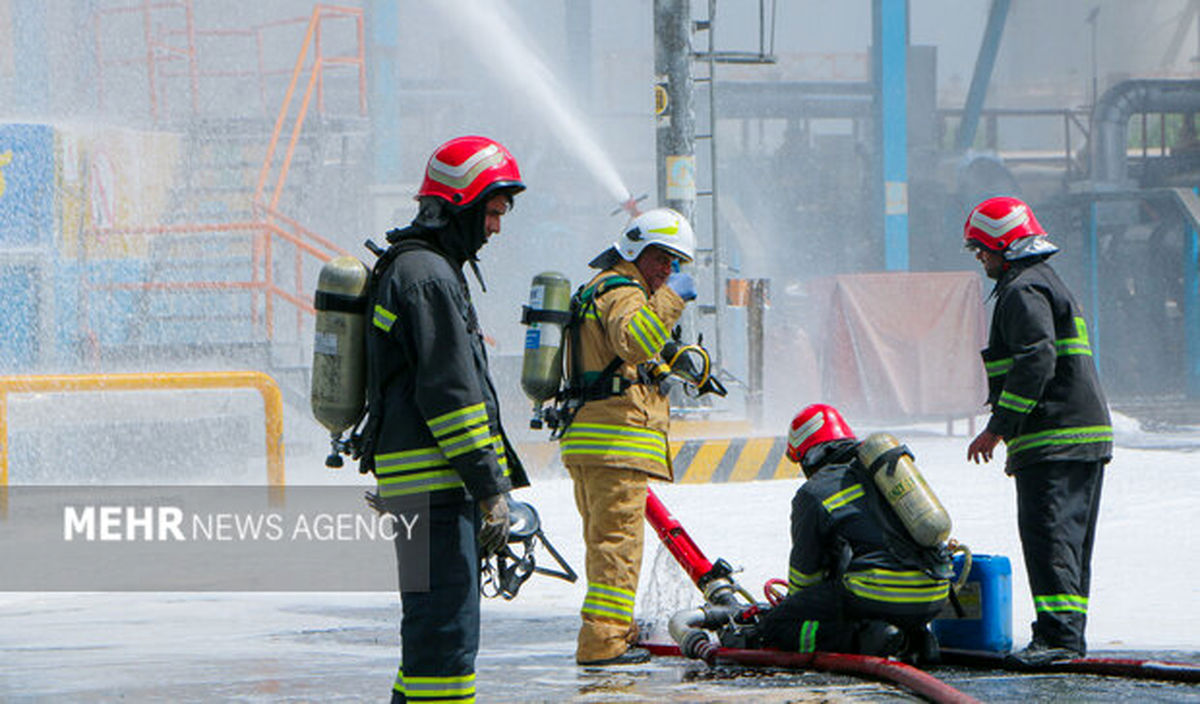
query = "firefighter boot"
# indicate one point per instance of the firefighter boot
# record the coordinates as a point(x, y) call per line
point(632, 656)
point(922, 649)
point(878, 638)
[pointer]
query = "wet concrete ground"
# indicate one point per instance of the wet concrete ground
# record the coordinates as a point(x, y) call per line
point(260, 648)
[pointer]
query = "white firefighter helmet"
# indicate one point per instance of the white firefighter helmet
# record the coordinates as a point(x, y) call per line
point(661, 227)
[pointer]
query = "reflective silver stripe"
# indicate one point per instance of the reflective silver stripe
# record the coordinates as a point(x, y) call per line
point(1013, 402)
point(420, 458)
point(808, 636)
point(609, 602)
point(603, 439)
point(798, 580)
point(896, 587)
point(1075, 345)
point(1061, 436)
point(1000, 367)
point(1061, 602)
point(418, 483)
point(383, 319)
point(843, 497)
point(467, 417)
point(646, 327)
point(427, 689)
point(414, 471)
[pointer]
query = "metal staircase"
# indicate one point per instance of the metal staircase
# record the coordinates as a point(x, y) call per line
point(226, 276)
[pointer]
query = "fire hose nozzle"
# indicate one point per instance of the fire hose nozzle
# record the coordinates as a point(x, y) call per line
point(631, 206)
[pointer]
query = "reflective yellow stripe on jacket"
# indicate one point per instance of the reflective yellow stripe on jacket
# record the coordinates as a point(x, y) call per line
point(461, 431)
point(909, 587)
point(584, 440)
point(1061, 436)
point(798, 580)
point(424, 470)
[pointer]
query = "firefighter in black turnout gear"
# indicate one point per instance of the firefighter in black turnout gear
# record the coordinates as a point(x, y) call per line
point(434, 425)
point(1049, 409)
point(857, 581)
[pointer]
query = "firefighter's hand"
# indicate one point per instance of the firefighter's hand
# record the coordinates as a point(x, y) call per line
point(982, 446)
point(683, 284)
point(493, 524)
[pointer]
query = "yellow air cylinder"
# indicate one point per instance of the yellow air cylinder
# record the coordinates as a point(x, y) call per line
point(548, 311)
point(339, 355)
point(907, 492)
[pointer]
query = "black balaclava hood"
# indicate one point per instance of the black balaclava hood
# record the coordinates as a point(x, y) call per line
point(828, 454)
point(456, 232)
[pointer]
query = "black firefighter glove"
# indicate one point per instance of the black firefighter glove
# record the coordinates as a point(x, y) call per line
point(493, 524)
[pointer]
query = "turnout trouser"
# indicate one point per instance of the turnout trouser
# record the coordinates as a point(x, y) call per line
point(824, 617)
point(439, 628)
point(1057, 506)
point(612, 506)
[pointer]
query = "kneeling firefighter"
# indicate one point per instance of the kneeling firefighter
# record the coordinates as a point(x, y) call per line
point(616, 432)
point(869, 566)
point(434, 426)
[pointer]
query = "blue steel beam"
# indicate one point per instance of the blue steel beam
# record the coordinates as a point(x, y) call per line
point(984, 63)
point(889, 57)
point(384, 23)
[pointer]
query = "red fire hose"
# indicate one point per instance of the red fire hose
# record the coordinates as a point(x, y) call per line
point(918, 682)
point(704, 573)
point(671, 533)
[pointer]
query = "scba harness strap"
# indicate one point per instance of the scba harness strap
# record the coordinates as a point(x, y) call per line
point(583, 387)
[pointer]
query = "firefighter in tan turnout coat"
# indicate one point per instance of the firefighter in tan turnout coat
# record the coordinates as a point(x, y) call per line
point(618, 438)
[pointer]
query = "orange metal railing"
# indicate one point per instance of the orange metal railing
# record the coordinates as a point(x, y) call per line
point(56, 383)
point(273, 234)
point(314, 85)
point(262, 281)
point(165, 43)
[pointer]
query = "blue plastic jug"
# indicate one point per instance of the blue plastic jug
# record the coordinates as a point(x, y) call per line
point(986, 599)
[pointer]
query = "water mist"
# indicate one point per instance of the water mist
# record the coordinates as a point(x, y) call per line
point(514, 63)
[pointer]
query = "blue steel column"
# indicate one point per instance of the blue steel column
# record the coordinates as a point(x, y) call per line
point(984, 63)
point(383, 21)
point(1093, 277)
point(890, 64)
point(1191, 306)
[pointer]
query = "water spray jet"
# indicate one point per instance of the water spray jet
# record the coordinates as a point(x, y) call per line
point(513, 62)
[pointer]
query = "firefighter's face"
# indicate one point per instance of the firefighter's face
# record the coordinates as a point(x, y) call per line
point(993, 262)
point(654, 263)
point(497, 206)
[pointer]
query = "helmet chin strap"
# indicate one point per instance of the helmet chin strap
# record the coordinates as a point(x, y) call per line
point(478, 275)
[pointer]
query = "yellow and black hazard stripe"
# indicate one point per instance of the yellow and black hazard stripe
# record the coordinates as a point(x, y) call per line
point(732, 460)
point(696, 461)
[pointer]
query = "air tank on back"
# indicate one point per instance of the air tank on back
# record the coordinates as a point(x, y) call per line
point(339, 357)
point(546, 315)
point(906, 491)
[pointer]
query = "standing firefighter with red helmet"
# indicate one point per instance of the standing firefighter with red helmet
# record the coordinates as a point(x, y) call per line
point(618, 437)
point(859, 581)
point(434, 430)
point(1049, 409)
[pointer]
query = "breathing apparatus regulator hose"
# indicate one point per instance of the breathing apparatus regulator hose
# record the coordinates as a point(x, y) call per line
point(957, 547)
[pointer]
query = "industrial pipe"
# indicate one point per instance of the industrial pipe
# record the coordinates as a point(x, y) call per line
point(1110, 120)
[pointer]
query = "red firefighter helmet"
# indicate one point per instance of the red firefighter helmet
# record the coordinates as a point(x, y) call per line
point(998, 222)
point(467, 168)
point(814, 425)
